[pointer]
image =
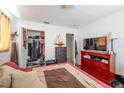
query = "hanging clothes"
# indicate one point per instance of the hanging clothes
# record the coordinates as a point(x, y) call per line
point(30, 46)
point(76, 51)
point(30, 49)
point(35, 48)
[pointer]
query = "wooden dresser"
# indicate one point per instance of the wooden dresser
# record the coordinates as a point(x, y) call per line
point(99, 65)
point(60, 54)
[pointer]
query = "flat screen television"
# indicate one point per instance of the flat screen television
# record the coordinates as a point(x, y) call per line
point(98, 43)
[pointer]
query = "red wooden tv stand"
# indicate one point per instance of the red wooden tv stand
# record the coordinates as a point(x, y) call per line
point(99, 65)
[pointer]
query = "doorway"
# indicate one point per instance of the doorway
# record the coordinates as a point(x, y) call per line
point(70, 47)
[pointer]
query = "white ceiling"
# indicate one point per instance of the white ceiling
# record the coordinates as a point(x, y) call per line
point(76, 17)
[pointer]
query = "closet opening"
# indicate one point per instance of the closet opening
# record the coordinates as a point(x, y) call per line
point(35, 48)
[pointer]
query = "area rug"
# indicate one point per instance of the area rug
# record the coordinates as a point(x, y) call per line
point(54, 75)
point(61, 78)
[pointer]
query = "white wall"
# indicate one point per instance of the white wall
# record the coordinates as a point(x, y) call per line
point(50, 36)
point(5, 56)
point(112, 23)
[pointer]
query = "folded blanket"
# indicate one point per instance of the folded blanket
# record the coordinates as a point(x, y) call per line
point(15, 66)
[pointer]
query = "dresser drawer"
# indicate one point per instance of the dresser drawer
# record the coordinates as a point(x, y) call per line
point(61, 54)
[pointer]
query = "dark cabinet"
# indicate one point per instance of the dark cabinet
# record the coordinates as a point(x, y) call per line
point(60, 54)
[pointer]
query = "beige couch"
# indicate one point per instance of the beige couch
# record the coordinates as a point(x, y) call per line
point(12, 78)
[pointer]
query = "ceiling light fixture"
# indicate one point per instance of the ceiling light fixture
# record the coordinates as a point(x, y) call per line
point(67, 6)
point(46, 22)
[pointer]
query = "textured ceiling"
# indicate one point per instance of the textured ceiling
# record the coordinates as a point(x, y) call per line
point(74, 17)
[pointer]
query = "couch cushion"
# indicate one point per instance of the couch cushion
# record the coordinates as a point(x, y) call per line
point(5, 79)
point(13, 78)
point(1, 62)
point(26, 80)
point(9, 70)
point(5, 75)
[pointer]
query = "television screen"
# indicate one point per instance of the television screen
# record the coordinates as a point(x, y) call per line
point(99, 43)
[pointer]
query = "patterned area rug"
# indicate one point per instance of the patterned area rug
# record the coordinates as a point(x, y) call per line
point(61, 78)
